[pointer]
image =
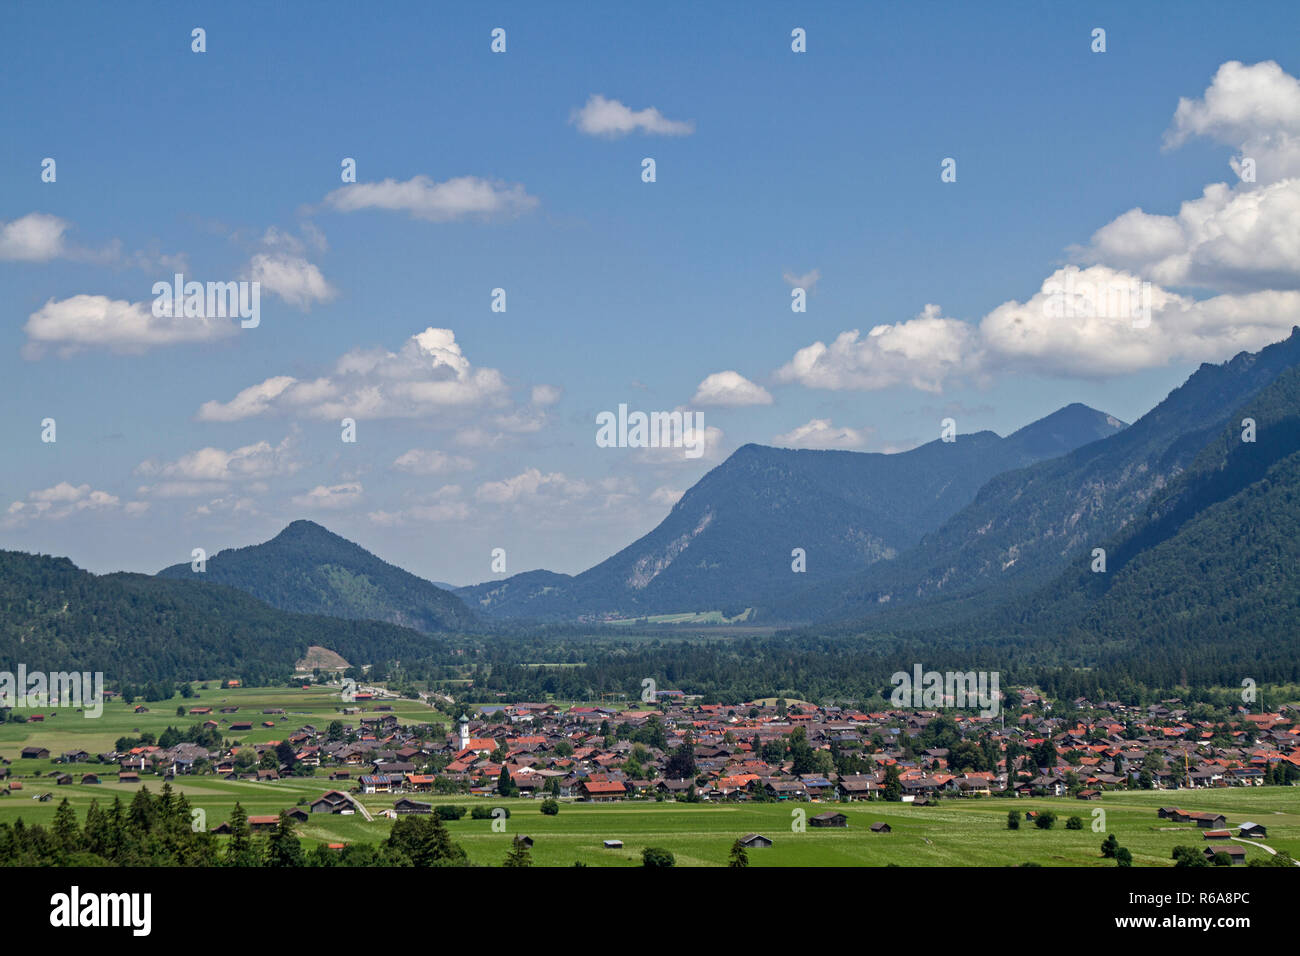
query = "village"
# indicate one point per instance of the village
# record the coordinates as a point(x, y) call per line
point(675, 749)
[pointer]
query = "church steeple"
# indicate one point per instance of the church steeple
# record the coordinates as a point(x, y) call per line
point(464, 731)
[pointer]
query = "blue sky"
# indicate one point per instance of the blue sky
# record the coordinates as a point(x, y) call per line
point(770, 165)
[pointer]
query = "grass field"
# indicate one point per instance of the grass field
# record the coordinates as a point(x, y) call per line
point(953, 833)
point(66, 729)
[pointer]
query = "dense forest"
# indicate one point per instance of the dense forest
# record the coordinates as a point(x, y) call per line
point(135, 628)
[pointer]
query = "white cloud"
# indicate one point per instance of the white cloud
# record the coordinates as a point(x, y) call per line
point(229, 505)
point(922, 352)
point(1227, 239)
point(428, 375)
point(252, 401)
point(291, 277)
point(210, 470)
point(422, 198)
point(58, 502)
point(96, 321)
point(530, 484)
point(1081, 323)
point(329, 497)
point(1255, 108)
point(36, 237)
point(427, 461)
point(820, 433)
point(544, 395)
point(730, 390)
point(1035, 337)
point(604, 117)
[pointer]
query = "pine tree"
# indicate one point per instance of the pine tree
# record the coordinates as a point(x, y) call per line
point(739, 856)
point(519, 854)
point(284, 848)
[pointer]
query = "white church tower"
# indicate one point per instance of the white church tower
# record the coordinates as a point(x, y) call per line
point(464, 731)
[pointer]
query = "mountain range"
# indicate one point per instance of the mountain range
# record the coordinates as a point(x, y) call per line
point(1195, 507)
point(728, 543)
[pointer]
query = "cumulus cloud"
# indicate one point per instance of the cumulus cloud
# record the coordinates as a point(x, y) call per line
point(610, 118)
point(329, 497)
point(820, 433)
point(58, 502)
point(422, 198)
point(427, 461)
point(427, 375)
point(531, 483)
point(1092, 334)
point(921, 352)
point(1092, 323)
point(36, 237)
point(730, 390)
point(291, 277)
point(210, 470)
point(96, 321)
point(1230, 239)
point(1255, 108)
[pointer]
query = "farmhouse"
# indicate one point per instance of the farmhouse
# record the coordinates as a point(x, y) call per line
point(1235, 853)
point(331, 802)
point(831, 818)
point(407, 805)
point(602, 791)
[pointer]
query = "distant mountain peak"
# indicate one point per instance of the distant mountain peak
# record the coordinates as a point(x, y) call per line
point(309, 569)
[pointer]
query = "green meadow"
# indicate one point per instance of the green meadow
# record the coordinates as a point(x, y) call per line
point(967, 832)
point(66, 729)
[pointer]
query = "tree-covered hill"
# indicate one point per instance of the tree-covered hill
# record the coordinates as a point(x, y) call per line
point(134, 627)
point(310, 570)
